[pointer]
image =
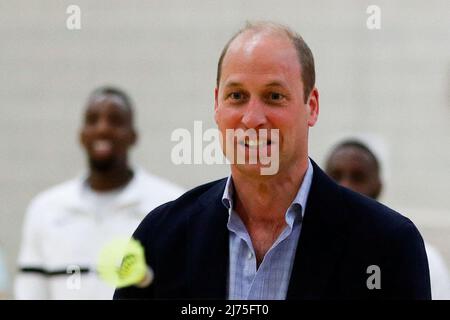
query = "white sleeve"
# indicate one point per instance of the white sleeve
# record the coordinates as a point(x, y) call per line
point(31, 282)
point(4, 279)
point(439, 275)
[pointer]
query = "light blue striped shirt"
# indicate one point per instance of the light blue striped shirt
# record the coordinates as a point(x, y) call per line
point(271, 280)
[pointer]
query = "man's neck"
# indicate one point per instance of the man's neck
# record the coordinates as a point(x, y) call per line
point(262, 202)
point(265, 199)
point(110, 179)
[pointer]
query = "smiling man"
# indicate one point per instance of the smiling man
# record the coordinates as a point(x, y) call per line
point(293, 234)
point(66, 226)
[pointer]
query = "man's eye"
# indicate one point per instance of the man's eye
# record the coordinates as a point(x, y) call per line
point(117, 120)
point(336, 175)
point(275, 96)
point(236, 95)
point(358, 177)
point(91, 119)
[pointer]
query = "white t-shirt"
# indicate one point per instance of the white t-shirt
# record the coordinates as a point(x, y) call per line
point(101, 203)
point(66, 227)
point(4, 283)
point(439, 275)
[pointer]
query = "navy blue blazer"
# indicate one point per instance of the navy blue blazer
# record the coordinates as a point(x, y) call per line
point(343, 233)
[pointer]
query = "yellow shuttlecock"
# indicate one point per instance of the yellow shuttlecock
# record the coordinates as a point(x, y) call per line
point(122, 263)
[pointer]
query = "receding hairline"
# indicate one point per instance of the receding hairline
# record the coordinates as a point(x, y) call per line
point(268, 28)
point(304, 54)
point(254, 28)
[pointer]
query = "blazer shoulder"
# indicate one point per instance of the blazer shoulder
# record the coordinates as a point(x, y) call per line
point(173, 214)
point(372, 216)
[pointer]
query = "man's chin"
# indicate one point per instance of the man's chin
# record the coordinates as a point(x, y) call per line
point(250, 170)
point(101, 165)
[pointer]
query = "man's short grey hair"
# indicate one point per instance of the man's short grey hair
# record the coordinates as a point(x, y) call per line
point(304, 53)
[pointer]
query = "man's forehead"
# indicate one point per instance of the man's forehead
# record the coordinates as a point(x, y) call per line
point(352, 154)
point(253, 36)
point(251, 40)
point(104, 100)
point(247, 42)
point(262, 54)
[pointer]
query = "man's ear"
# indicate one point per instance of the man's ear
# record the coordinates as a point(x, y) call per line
point(81, 138)
point(313, 107)
point(378, 189)
point(134, 137)
point(216, 102)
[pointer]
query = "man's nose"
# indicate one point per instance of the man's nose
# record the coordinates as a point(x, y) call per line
point(254, 114)
point(103, 126)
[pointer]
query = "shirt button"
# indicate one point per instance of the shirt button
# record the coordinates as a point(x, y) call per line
point(250, 255)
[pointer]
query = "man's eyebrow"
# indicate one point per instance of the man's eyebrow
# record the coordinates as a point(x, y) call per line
point(276, 84)
point(233, 84)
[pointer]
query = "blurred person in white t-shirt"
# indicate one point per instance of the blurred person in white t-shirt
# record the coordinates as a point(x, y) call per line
point(4, 277)
point(66, 226)
point(353, 165)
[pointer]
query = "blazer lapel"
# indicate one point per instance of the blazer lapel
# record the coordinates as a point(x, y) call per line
point(321, 240)
point(207, 246)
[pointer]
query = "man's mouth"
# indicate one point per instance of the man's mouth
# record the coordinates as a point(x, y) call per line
point(102, 147)
point(255, 143)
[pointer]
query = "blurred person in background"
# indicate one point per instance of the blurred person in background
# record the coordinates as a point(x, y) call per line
point(4, 277)
point(354, 165)
point(66, 226)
